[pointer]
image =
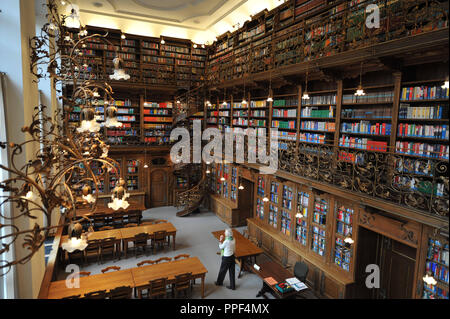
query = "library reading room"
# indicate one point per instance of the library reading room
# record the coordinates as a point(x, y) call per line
point(224, 149)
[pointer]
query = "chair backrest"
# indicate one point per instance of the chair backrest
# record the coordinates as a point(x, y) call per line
point(183, 281)
point(146, 223)
point(140, 238)
point(158, 286)
point(101, 294)
point(123, 292)
point(134, 216)
point(93, 245)
point(130, 225)
point(181, 256)
point(160, 221)
point(110, 268)
point(142, 263)
point(159, 235)
point(163, 259)
point(301, 271)
point(106, 228)
point(109, 242)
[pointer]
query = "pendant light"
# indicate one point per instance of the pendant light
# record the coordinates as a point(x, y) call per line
point(224, 97)
point(429, 280)
point(360, 90)
point(244, 101)
point(145, 158)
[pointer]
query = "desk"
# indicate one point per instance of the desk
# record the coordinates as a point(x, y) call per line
point(277, 272)
point(244, 248)
point(107, 281)
point(142, 275)
point(128, 233)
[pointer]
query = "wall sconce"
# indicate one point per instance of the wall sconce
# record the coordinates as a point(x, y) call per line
point(265, 199)
point(429, 280)
point(359, 89)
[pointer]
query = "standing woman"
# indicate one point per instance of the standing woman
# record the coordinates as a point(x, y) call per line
point(228, 247)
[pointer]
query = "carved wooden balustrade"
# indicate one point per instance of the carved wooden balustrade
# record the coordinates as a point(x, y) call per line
point(419, 183)
point(338, 28)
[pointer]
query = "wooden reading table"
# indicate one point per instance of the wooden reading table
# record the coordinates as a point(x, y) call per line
point(128, 233)
point(107, 281)
point(245, 249)
point(142, 275)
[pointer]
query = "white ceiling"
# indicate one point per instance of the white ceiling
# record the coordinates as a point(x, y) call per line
point(199, 20)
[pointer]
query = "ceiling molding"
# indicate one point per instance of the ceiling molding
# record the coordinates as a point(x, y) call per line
point(139, 16)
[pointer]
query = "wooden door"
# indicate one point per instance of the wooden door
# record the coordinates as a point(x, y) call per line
point(158, 188)
point(397, 270)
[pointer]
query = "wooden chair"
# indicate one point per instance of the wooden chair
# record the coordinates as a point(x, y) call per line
point(181, 256)
point(130, 225)
point(76, 255)
point(155, 288)
point(92, 249)
point(117, 219)
point(140, 241)
point(182, 284)
point(99, 220)
point(134, 216)
point(163, 259)
point(159, 239)
point(144, 262)
point(124, 292)
point(106, 228)
point(101, 294)
point(110, 246)
point(160, 221)
point(146, 223)
point(115, 268)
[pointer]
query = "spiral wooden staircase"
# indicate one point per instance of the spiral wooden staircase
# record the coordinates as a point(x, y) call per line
point(188, 201)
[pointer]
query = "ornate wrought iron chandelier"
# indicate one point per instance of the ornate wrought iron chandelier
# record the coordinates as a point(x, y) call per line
point(65, 173)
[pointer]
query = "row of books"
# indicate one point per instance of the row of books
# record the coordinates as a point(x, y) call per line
point(320, 99)
point(284, 113)
point(290, 136)
point(239, 105)
point(428, 131)
point(155, 126)
point(157, 119)
point(365, 127)
point(157, 133)
point(125, 111)
point(376, 97)
point(125, 56)
point(256, 104)
point(362, 143)
point(318, 126)
point(150, 45)
point(287, 102)
point(173, 48)
point(257, 123)
point(163, 105)
point(258, 113)
point(284, 124)
point(240, 121)
point(315, 112)
point(130, 118)
point(422, 149)
point(367, 113)
point(122, 133)
point(438, 271)
point(156, 112)
point(423, 93)
point(240, 113)
point(157, 140)
point(421, 112)
point(415, 184)
point(312, 138)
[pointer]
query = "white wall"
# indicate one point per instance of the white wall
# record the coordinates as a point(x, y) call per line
point(17, 25)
